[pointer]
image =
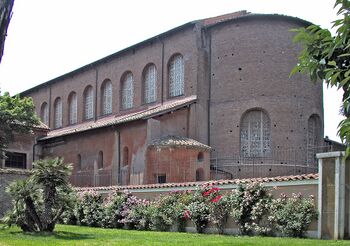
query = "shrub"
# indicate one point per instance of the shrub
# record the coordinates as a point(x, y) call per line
point(140, 215)
point(292, 216)
point(126, 208)
point(219, 211)
point(113, 206)
point(198, 210)
point(89, 209)
point(250, 208)
point(168, 210)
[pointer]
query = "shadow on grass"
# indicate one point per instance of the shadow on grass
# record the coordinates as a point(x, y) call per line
point(64, 235)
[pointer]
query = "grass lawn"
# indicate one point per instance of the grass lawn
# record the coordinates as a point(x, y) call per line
point(78, 235)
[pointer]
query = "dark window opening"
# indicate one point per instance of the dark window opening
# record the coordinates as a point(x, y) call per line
point(100, 160)
point(125, 156)
point(161, 178)
point(16, 160)
point(199, 174)
point(200, 157)
point(79, 162)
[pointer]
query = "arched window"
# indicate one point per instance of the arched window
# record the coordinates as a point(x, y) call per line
point(125, 156)
point(127, 91)
point(255, 134)
point(200, 157)
point(176, 76)
point(88, 103)
point(313, 137)
point(106, 97)
point(58, 113)
point(100, 160)
point(150, 84)
point(44, 113)
point(79, 162)
point(199, 174)
point(72, 107)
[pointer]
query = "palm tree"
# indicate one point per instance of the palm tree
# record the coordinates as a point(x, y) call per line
point(40, 200)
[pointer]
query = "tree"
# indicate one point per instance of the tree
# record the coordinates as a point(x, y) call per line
point(327, 58)
point(5, 17)
point(40, 200)
point(17, 115)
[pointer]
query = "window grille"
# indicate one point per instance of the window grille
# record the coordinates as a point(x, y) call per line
point(89, 103)
point(16, 160)
point(150, 84)
point(58, 113)
point(127, 91)
point(313, 133)
point(107, 98)
point(44, 114)
point(73, 118)
point(176, 76)
point(255, 134)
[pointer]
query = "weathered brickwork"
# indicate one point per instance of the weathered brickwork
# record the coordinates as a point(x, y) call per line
point(6, 177)
point(231, 65)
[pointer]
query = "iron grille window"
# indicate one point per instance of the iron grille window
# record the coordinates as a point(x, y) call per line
point(89, 103)
point(58, 113)
point(161, 178)
point(127, 91)
point(176, 76)
point(313, 136)
point(73, 118)
point(16, 160)
point(107, 98)
point(44, 114)
point(150, 84)
point(255, 134)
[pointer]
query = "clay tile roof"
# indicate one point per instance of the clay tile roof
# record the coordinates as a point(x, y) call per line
point(223, 18)
point(312, 176)
point(42, 126)
point(177, 141)
point(142, 114)
point(14, 171)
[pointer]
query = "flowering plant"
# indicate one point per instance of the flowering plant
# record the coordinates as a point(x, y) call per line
point(89, 209)
point(292, 215)
point(219, 211)
point(113, 204)
point(250, 207)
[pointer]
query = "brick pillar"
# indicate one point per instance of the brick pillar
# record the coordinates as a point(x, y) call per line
point(333, 196)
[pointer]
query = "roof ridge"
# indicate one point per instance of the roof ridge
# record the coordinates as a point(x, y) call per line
point(310, 176)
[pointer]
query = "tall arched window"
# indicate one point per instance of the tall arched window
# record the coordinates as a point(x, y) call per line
point(72, 107)
point(150, 84)
point(255, 134)
point(58, 113)
point(176, 76)
point(106, 97)
point(100, 160)
point(44, 113)
point(88, 103)
point(313, 137)
point(127, 91)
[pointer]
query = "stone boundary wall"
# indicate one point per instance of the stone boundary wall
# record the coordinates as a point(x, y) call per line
point(6, 177)
point(306, 187)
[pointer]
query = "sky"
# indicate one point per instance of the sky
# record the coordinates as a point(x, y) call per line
point(48, 38)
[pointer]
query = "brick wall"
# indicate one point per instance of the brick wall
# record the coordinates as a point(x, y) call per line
point(6, 177)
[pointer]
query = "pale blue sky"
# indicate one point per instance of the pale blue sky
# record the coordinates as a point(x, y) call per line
point(48, 38)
